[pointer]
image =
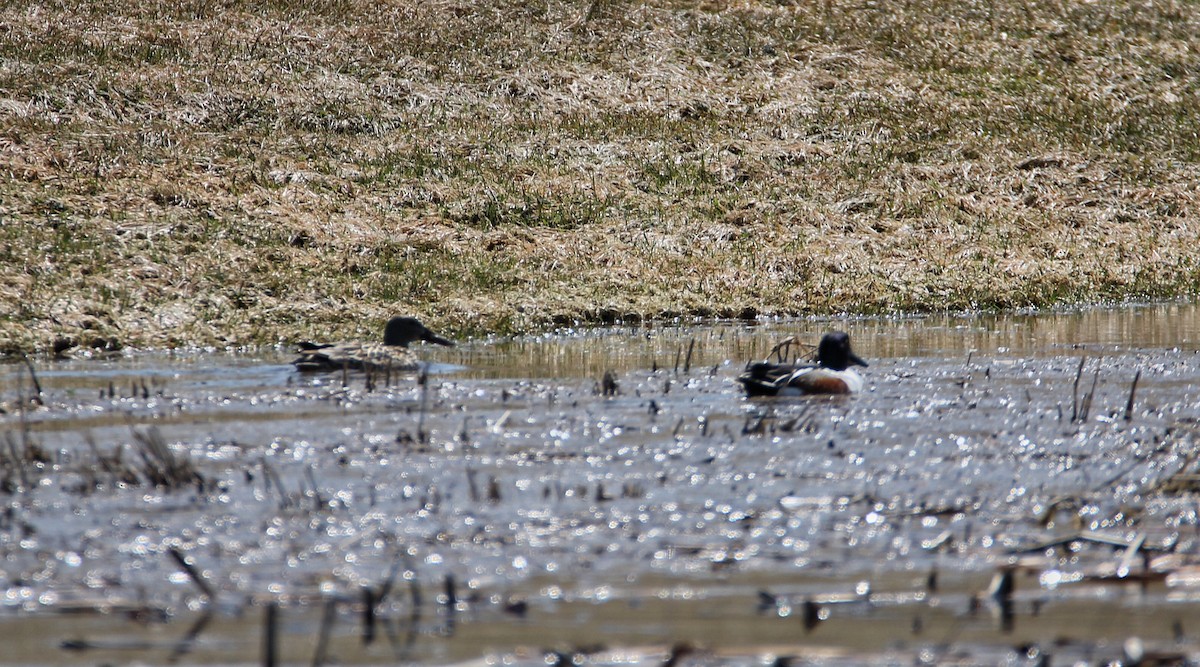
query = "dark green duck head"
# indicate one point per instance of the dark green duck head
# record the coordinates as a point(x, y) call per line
point(400, 331)
point(834, 352)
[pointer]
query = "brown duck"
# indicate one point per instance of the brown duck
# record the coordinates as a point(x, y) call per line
point(391, 354)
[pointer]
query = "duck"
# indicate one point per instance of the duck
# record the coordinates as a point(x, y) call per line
point(392, 354)
point(831, 374)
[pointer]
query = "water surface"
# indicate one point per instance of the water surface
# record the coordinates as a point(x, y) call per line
point(507, 506)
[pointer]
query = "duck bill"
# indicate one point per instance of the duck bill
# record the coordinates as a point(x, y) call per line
point(431, 337)
point(855, 359)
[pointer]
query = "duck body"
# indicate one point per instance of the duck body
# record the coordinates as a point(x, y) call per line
point(830, 375)
point(767, 379)
point(315, 358)
point(390, 355)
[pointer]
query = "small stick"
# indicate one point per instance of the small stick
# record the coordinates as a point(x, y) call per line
point(1131, 553)
point(323, 637)
point(451, 592)
point(37, 386)
point(1132, 392)
point(385, 588)
point(423, 380)
point(687, 364)
point(191, 572)
point(185, 644)
point(1075, 391)
point(464, 435)
point(271, 635)
point(414, 586)
point(368, 596)
point(472, 487)
point(1088, 397)
point(318, 501)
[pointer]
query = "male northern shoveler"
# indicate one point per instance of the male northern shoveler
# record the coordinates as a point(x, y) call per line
point(392, 354)
point(830, 375)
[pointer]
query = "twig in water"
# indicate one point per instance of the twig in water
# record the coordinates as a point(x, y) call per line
point(464, 434)
point(1086, 408)
point(318, 501)
point(423, 381)
point(185, 643)
point(472, 487)
point(451, 592)
point(1075, 391)
point(414, 586)
point(37, 386)
point(271, 635)
point(1131, 553)
point(1132, 392)
point(687, 363)
point(270, 477)
point(368, 600)
point(192, 573)
point(327, 619)
point(18, 463)
point(385, 588)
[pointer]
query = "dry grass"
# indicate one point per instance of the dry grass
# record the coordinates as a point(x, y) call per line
point(179, 174)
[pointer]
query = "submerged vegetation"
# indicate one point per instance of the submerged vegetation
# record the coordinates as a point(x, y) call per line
point(188, 173)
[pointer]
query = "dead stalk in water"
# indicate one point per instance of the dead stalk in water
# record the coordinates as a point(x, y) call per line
point(37, 386)
point(1132, 394)
point(271, 635)
point(1086, 408)
point(1075, 391)
point(368, 618)
point(464, 434)
point(472, 488)
point(185, 643)
point(315, 493)
point(423, 382)
point(328, 616)
point(161, 466)
point(192, 573)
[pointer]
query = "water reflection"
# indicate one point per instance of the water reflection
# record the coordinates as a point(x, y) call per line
point(590, 353)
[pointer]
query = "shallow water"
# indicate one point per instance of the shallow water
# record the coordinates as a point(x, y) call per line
point(676, 510)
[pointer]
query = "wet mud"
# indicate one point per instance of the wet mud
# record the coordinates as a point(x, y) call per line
point(1016, 489)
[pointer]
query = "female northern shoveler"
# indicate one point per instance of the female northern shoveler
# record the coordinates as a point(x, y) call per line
point(830, 375)
point(392, 354)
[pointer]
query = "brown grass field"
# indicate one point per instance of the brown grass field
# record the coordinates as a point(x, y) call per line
point(249, 172)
